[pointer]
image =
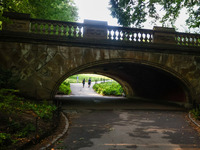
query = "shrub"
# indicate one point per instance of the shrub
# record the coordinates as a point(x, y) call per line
point(11, 108)
point(10, 103)
point(5, 139)
point(108, 88)
point(65, 88)
point(196, 112)
point(26, 130)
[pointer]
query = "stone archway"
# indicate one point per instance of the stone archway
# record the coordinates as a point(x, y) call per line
point(180, 90)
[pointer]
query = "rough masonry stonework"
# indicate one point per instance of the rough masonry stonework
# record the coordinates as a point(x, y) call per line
point(42, 67)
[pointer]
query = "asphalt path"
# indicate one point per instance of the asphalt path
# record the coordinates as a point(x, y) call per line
point(78, 90)
point(110, 123)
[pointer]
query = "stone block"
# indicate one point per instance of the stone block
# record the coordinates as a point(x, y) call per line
point(18, 22)
point(95, 29)
point(164, 35)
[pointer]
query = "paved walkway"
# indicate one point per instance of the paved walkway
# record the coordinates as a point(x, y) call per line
point(129, 130)
point(110, 123)
point(78, 90)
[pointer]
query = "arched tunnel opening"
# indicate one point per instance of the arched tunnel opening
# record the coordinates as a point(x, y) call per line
point(90, 85)
point(142, 81)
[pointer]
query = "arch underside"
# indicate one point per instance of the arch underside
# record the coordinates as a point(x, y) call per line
point(139, 79)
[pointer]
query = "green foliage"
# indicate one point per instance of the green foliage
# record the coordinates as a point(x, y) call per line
point(5, 139)
point(196, 112)
point(63, 10)
point(136, 12)
point(26, 130)
point(11, 108)
point(65, 88)
point(11, 103)
point(108, 88)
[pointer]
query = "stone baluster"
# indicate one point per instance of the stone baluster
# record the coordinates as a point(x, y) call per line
point(54, 28)
point(48, 28)
point(197, 40)
point(79, 31)
point(181, 39)
point(142, 38)
point(150, 37)
point(123, 35)
point(70, 30)
point(119, 35)
point(137, 36)
point(146, 38)
point(185, 40)
point(64, 29)
point(114, 34)
point(192, 40)
point(38, 27)
point(44, 28)
point(59, 26)
point(128, 35)
point(75, 31)
point(109, 34)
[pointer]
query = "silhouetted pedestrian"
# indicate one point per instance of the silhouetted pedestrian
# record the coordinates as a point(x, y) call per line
point(89, 82)
point(83, 82)
point(77, 79)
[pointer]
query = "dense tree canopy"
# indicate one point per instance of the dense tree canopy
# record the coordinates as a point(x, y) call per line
point(63, 10)
point(136, 12)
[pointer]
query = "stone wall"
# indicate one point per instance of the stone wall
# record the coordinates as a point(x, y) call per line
point(42, 67)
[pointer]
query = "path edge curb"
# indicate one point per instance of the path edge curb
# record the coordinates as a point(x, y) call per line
point(189, 114)
point(60, 135)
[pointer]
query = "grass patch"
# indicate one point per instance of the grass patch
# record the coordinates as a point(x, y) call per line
point(108, 88)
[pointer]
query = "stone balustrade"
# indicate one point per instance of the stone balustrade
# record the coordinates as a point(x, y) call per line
point(187, 39)
point(130, 34)
point(158, 35)
point(67, 29)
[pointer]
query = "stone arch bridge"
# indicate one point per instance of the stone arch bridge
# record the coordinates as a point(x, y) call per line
point(158, 64)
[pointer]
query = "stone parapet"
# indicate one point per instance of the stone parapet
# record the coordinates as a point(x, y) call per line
point(164, 35)
point(95, 29)
point(18, 22)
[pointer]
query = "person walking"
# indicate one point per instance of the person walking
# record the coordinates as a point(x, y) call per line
point(89, 82)
point(83, 82)
point(77, 79)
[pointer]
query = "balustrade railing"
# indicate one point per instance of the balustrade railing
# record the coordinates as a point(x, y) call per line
point(76, 30)
point(67, 29)
point(188, 39)
point(70, 29)
point(130, 34)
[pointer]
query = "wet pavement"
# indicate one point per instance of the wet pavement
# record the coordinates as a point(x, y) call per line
point(129, 130)
point(110, 123)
